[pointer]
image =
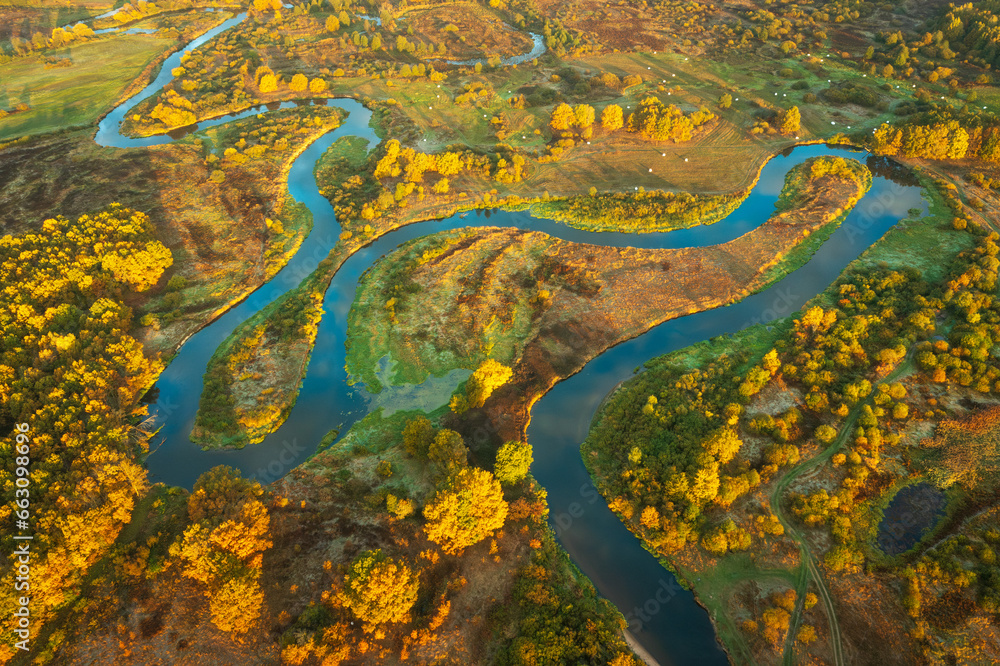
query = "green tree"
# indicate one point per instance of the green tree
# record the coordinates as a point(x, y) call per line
point(513, 462)
point(417, 437)
point(448, 450)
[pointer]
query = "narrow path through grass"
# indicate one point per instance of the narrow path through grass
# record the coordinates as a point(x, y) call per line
point(809, 559)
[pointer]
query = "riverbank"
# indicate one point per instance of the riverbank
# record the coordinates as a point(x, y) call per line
point(721, 582)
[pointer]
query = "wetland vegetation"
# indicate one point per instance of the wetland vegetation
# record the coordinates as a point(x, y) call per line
point(767, 469)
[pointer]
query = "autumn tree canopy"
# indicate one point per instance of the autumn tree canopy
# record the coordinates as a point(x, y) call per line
point(379, 589)
point(465, 510)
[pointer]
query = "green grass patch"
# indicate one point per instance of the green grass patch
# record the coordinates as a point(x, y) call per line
point(76, 95)
point(921, 243)
point(644, 212)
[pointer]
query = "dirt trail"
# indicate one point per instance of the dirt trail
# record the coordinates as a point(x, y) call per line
point(809, 558)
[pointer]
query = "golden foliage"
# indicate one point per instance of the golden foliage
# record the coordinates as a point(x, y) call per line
point(969, 448)
point(379, 590)
point(467, 509)
point(488, 377)
point(71, 371)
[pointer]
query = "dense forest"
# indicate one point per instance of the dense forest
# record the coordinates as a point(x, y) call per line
point(73, 373)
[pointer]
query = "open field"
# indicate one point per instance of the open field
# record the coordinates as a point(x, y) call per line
point(19, 18)
point(60, 97)
point(467, 30)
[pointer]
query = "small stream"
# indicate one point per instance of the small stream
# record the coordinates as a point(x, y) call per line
point(665, 619)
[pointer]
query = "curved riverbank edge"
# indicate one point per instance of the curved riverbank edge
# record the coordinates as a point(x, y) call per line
point(767, 275)
point(172, 453)
point(886, 499)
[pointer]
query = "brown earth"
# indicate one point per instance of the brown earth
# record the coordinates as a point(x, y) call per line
point(637, 290)
point(479, 33)
point(874, 627)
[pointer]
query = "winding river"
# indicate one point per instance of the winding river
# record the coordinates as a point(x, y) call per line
point(663, 618)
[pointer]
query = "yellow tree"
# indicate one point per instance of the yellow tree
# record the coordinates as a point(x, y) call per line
point(562, 117)
point(236, 605)
point(268, 83)
point(299, 82)
point(465, 510)
point(224, 546)
point(379, 590)
point(790, 121)
point(584, 114)
point(513, 462)
point(488, 377)
point(612, 118)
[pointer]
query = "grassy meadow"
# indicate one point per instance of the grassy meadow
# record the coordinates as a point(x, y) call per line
point(59, 96)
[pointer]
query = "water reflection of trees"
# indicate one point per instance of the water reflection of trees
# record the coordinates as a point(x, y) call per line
point(886, 167)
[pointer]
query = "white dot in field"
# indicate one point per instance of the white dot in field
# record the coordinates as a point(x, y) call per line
point(832, 123)
point(796, 138)
point(784, 95)
point(663, 154)
point(673, 75)
point(650, 171)
point(685, 159)
point(668, 94)
point(737, 99)
point(649, 68)
point(636, 188)
point(588, 143)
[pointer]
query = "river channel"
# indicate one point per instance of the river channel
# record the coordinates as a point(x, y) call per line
point(663, 618)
